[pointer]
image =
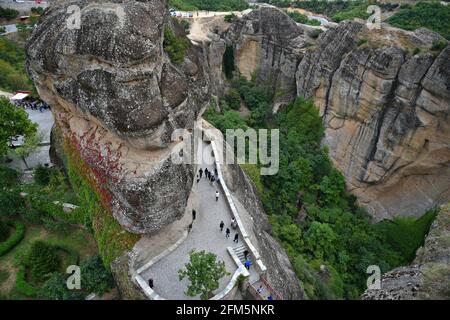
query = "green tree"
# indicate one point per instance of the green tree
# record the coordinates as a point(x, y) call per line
point(174, 46)
point(8, 13)
point(55, 288)
point(321, 238)
point(42, 260)
point(94, 276)
point(204, 273)
point(233, 99)
point(13, 122)
point(29, 145)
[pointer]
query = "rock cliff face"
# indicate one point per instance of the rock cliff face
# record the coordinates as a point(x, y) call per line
point(269, 44)
point(118, 98)
point(429, 275)
point(384, 96)
point(386, 113)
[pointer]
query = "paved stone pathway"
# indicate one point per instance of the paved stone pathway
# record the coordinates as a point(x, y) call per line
point(41, 154)
point(205, 235)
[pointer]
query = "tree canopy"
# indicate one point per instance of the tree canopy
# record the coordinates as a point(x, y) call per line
point(203, 272)
point(13, 122)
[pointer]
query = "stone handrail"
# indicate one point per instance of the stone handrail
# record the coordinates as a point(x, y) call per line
point(151, 294)
point(258, 262)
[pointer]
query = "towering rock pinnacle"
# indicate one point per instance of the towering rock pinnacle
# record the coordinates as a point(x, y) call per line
point(386, 112)
point(117, 97)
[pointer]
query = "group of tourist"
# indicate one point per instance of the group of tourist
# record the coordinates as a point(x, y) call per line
point(32, 104)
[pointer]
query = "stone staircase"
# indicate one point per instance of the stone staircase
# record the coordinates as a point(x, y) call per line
point(239, 250)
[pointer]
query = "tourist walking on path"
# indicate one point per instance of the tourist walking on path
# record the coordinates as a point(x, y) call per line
point(236, 238)
point(247, 264)
point(227, 233)
point(221, 225)
point(245, 254)
point(150, 283)
point(260, 289)
point(217, 195)
point(206, 173)
point(194, 215)
point(190, 228)
point(201, 172)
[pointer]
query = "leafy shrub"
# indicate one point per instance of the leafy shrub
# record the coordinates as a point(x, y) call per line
point(432, 15)
point(12, 67)
point(23, 286)
point(7, 13)
point(230, 17)
point(37, 10)
point(186, 25)
point(361, 42)
point(8, 177)
point(355, 10)
point(11, 202)
point(233, 99)
point(174, 46)
point(94, 276)
point(55, 288)
point(13, 239)
point(210, 5)
point(42, 260)
point(301, 18)
point(42, 175)
point(315, 33)
point(439, 46)
point(227, 120)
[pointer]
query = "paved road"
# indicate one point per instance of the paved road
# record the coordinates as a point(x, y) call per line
point(23, 7)
point(205, 235)
point(10, 28)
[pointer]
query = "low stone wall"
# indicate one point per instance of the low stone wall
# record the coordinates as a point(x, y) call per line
point(227, 292)
point(253, 251)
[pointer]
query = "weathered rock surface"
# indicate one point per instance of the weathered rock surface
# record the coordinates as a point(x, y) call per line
point(386, 113)
point(429, 275)
point(117, 97)
point(269, 44)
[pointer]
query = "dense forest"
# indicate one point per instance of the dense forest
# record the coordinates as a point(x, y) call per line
point(12, 67)
point(312, 215)
point(434, 16)
point(209, 5)
point(429, 14)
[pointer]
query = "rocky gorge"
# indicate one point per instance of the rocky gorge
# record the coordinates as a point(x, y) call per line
point(383, 96)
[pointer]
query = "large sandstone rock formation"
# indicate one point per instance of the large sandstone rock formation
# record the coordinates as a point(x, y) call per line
point(429, 275)
point(385, 106)
point(269, 44)
point(117, 97)
point(386, 113)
